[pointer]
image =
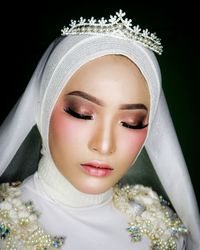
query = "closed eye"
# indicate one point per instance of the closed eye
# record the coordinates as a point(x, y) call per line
point(78, 115)
point(137, 126)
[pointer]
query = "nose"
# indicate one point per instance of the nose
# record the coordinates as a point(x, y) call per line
point(103, 139)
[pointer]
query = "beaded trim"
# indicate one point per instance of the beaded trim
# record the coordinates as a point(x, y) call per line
point(118, 26)
point(19, 228)
point(149, 215)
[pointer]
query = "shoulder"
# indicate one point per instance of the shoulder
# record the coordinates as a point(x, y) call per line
point(151, 216)
point(19, 227)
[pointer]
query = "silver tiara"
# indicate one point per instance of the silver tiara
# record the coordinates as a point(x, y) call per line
point(118, 26)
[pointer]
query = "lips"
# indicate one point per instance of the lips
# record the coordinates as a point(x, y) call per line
point(97, 168)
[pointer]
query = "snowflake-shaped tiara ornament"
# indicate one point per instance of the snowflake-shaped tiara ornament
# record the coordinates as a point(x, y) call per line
point(118, 26)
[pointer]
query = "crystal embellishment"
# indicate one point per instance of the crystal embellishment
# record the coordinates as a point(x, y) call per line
point(155, 219)
point(116, 25)
point(19, 226)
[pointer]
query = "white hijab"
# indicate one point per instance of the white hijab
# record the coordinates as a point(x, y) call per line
point(63, 57)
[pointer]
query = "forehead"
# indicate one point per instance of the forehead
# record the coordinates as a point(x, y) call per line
point(114, 62)
point(110, 77)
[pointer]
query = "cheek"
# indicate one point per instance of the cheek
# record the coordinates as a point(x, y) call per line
point(64, 130)
point(133, 141)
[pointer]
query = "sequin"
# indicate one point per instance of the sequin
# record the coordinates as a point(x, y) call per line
point(4, 231)
point(135, 233)
point(156, 220)
point(19, 227)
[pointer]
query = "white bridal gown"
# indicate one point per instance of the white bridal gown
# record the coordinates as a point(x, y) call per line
point(88, 222)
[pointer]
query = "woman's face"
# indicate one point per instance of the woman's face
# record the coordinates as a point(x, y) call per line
point(99, 123)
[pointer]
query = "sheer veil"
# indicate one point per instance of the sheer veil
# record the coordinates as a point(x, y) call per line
point(61, 59)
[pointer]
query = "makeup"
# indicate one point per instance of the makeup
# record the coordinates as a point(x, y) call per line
point(94, 136)
point(97, 168)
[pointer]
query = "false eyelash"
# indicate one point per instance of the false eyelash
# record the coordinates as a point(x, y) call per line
point(89, 117)
point(77, 115)
point(138, 126)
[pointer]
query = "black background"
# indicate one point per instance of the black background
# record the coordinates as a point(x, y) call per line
point(27, 29)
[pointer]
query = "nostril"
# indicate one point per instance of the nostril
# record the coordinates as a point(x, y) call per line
point(94, 149)
point(103, 140)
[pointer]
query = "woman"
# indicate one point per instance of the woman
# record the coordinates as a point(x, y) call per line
point(97, 101)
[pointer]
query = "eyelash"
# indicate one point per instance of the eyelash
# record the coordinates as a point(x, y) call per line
point(77, 115)
point(90, 117)
point(138, 126)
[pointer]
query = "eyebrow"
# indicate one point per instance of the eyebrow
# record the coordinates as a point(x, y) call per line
point(101, 103)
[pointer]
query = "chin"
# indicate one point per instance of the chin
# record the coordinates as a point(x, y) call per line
point(94, 187)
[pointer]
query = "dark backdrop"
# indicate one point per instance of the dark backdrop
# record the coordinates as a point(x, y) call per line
point(27, 29)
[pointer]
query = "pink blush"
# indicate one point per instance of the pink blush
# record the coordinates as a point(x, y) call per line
point(132, 142)
point(63, 127)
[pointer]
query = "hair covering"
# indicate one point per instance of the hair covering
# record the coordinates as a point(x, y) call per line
point(60, 61)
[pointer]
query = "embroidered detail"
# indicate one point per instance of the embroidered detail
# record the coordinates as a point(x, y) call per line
point(149, 215)
point(19, 227)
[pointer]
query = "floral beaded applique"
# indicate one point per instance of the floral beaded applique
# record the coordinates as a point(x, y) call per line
point(149, 215)
point(19, 228)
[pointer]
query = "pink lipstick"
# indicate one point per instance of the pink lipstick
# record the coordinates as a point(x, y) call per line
point(97, 168)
